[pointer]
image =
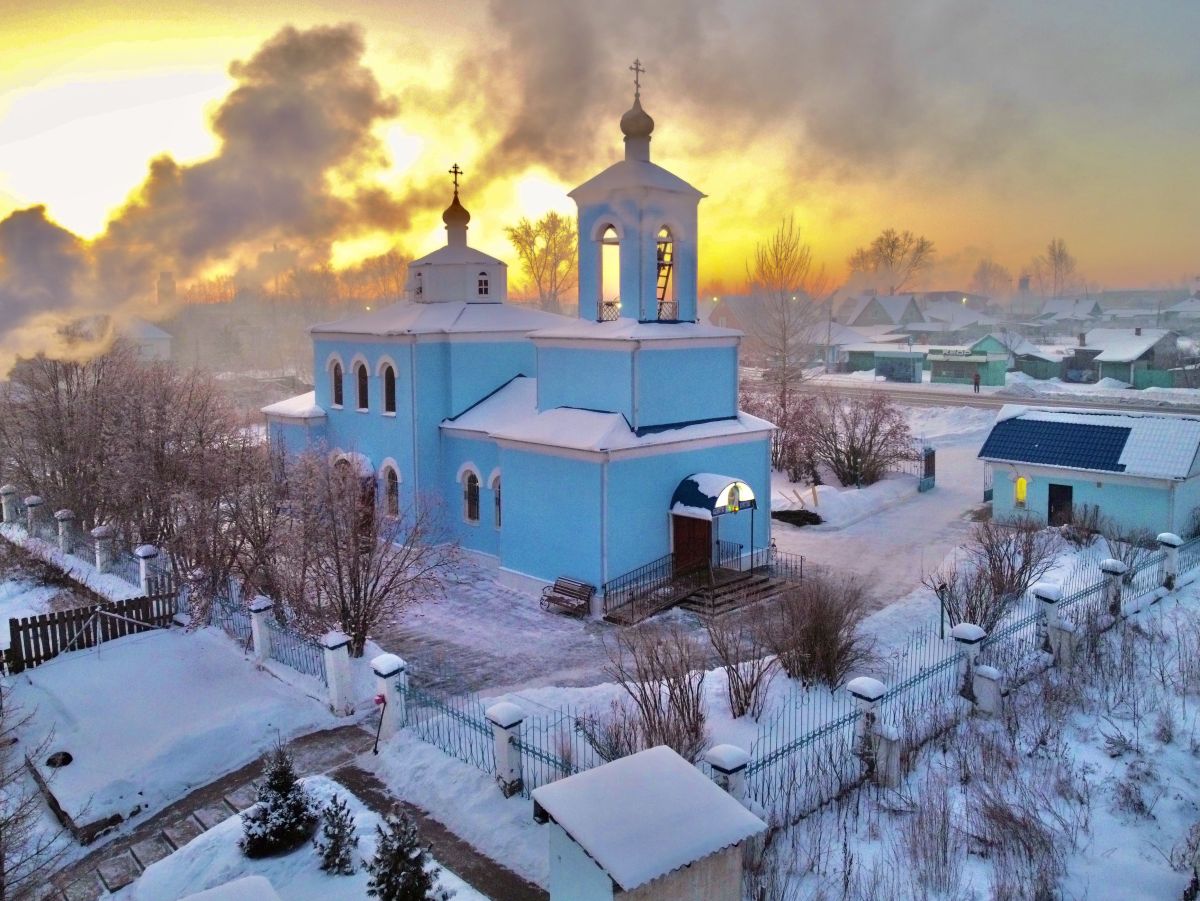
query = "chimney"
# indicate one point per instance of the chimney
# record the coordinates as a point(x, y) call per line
point(1082, 339)
point(1138, 331)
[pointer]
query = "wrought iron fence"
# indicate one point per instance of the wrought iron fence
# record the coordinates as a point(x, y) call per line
point(729, 555)
point(555, 745)
point(455, 724)
point(1189, 555)
point(610, 310)
point(300, 652)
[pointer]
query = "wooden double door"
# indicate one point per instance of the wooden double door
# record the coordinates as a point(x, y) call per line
point(691, 542)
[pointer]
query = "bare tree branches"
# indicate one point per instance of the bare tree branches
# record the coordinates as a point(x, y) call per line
point(991, 279)
point(816, 632)
point(547, 250)
point(742, 643)
point(1054, 271)
point(894, 258)
point(859, 437)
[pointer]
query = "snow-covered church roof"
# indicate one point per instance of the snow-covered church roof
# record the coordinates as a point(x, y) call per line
point(408, 318)
point(628, 175)
point(511, 414)
point(302, 406)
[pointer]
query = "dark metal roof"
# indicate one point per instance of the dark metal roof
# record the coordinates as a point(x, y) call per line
point(1070, 444)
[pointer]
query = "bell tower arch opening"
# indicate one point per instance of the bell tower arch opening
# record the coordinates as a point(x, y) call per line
point(668, 307)
point(608, 303)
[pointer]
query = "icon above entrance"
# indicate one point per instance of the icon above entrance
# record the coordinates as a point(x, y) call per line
point(697, 503)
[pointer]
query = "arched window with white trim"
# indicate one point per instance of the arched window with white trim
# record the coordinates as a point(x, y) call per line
point(362, 378)
point(391, 491)
point(471, 497)
point(335, 378)
point(482, 284)
point(497, 504)
point(389, 389)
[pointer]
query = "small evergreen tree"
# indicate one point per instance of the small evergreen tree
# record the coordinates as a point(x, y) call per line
point(285, 814)
point(399, 871)
point(336, 841)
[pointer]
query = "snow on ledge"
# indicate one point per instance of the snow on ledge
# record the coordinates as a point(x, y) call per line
point(107, 585)
point(302, 406)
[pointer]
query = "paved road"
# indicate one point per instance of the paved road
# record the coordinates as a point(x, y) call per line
point(943, 397)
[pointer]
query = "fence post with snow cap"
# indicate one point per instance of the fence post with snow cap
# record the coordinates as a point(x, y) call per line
point(260, 609)
point(391, 693)
point(506, 718)
point(144, 553)
point(1115, 571)
point(729, 764)
point(335, 646)
point(33, 512)
point(8, 502)
point(1168, 543)
point(867, 693)
point(989, 695)
point(102, 535)
point(968, 638)
point(66, 525)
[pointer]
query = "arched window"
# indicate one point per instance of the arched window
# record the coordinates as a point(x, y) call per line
point(389, 389)
point(609, 302)
point(483, 284)
point(420, 285)
point(496, 504)
point(360, 372)
point(336, 379)
point(391, 491)
point(668, 309)
point(471, 497)
point(1020, 492)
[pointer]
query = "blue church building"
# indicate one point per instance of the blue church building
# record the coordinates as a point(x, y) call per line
point(580, 447)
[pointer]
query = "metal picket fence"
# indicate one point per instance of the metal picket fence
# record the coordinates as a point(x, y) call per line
point(300, 652)
point(455, 724)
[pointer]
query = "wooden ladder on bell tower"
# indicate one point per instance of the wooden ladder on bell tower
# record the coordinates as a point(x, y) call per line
point(664, 281)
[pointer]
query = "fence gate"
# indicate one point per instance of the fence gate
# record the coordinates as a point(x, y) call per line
point(928, 469)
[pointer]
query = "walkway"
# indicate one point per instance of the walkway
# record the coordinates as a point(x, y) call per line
point(117, 862)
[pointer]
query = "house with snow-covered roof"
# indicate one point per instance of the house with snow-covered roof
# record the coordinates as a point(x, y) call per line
point(1141, 470)
point(555, 445)
point(872, 309)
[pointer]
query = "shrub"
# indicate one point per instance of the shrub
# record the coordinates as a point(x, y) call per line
point(743, 645)
point(1082, 527)
point(860, 438)
point(285, 815)
point(816, 632)
point(336, 841)
point(1130, 545)
point(400, 869)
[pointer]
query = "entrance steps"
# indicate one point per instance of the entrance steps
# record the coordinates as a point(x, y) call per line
point(733, 592)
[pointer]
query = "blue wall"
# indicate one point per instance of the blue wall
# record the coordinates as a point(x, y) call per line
point(482, 536)
point(587, 379)
point(476, 369)
point(1130, 505)
point(685, 385)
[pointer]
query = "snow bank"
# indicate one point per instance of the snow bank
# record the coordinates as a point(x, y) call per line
point(106, 585)
point(840, 507)
point(19, 598)
point(149, 717)
point(214, 859)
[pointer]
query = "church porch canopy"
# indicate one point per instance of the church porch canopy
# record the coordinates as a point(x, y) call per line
point(705, 495)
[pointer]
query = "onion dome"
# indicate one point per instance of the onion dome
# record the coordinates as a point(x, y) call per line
point(456, 213)
point(636, 123)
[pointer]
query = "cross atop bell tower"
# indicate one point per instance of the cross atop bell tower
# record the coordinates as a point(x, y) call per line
point(638, 71)
point(455, 172)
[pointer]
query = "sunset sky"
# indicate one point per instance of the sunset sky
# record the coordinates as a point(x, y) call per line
point(988, 127)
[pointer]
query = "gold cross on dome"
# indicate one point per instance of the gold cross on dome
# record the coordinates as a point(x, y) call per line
point(456, 172)
point(638, 70)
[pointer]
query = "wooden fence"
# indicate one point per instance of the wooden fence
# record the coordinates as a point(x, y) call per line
point(35, 639)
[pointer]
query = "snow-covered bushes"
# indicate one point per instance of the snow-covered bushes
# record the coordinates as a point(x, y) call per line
point(742, 642)
point(400, 869)
point(336, 840)
point(816, 630)
point(285, 815)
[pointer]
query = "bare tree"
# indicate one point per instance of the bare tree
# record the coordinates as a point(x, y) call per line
point(1054, 271)
point(369, 566)
point(858, 437)
point(547, 250)
point(894, 258)
point(991, 279)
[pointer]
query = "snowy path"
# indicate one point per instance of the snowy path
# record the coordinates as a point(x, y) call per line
point(892, 550)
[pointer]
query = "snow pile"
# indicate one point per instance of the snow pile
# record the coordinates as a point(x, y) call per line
point(106, 585)
point(840, 507)
point(19, 598)
point(149, 717)
point(214, 859)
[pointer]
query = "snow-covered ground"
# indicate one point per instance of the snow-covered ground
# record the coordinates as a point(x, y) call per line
point(149, 717)
point(213, 859)
point(19, 597)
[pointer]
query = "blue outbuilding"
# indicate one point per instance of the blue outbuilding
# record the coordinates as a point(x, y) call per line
point(1140, 470)
point(558, 447)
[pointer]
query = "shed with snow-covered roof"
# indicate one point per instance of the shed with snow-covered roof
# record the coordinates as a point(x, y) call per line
point(1139, 470)
point(647, 826)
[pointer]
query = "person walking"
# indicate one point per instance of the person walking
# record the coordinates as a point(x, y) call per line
point(975, 382)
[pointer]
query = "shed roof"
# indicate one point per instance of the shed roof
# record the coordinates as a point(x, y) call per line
point(1153, 445)
point(1123, 345)
point(642, 816)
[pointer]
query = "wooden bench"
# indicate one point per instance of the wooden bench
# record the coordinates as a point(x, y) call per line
point(568, 596)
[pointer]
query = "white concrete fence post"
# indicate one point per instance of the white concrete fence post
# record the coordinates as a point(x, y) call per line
point(506, 718)
point(1169, 543)
point(102, 535)
point(144, 553)
point(391, 693)
point(729, 764)
point(1115, 571)
point(8, 502)
point(33, 513)
point(877, 745)
point(1047, 594)
point(260, 632)
point(989, 694)
point(968, 638)
point(66, 530)
point(336, 647)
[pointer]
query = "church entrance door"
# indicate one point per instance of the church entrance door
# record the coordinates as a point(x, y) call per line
point(691, 543)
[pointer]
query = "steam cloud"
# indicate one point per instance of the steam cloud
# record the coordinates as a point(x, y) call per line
point(301, 115)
